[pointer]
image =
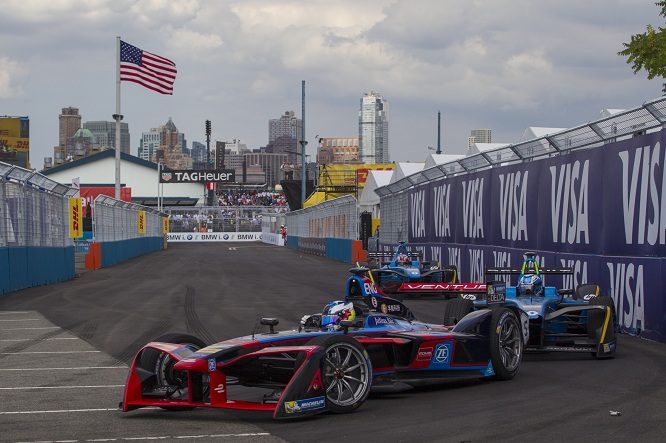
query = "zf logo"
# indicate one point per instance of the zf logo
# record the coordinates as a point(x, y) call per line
point(442, 353)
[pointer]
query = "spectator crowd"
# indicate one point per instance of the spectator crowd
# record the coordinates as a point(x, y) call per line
point(251, 198)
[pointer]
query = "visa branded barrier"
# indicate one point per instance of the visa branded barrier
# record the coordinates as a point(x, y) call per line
point(600, 210)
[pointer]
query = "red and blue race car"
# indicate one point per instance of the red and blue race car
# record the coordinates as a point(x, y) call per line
point(330, 363)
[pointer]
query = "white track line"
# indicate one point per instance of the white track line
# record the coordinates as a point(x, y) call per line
point(16, 312)
point(48, 352)
point(61, 387)
point(40, 339)
point(160, 437)
point(23, 319)
point(80, 368)
point(57, 411)
point(23, 329)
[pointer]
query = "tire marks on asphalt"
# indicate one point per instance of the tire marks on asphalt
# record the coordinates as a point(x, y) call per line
point(193, 322)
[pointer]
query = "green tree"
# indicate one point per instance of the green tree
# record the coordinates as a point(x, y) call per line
point(648, 50)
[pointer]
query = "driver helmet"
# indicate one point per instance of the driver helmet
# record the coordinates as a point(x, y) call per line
point(530, 284)
point(336, 311)
point(403, 259)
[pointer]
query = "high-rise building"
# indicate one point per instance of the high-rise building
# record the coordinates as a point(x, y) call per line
point(481, 135)
point(104, 134)
point(170, 152)
point(284, 134)
point(198, 152)
point(69, 121)
point(373, 129)
point(150, 143)
point(287, 125)
point(271, 164)
point(337, 150)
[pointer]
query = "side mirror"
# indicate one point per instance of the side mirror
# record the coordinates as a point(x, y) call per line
point(346, 324)
point(271, 323)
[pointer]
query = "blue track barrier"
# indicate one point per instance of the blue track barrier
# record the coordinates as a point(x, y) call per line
point(24, 267)
point(118, 251)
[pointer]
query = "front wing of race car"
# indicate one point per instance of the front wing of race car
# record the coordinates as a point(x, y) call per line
point(206, 381)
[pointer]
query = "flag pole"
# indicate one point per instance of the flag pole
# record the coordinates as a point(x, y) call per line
point(117, 117)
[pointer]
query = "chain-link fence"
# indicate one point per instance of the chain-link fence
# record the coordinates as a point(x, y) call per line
point(336, 218)
point(115, 220)
point(219, 218)
point(33, 209)
point(271, 222)
point(649, 117)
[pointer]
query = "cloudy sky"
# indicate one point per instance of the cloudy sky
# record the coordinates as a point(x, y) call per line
point(503, 65)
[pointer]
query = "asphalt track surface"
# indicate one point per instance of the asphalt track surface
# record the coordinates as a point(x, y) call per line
point(64, 351)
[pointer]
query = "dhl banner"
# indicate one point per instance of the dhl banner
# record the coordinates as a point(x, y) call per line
point(75, 218)
point(165, 225)
point(141, 225)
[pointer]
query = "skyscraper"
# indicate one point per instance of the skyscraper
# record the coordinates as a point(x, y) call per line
point(70, 122)
point(150, 143)
point(373, 123)
point(104, 134)
point(170, 151)
point(284, 134)
point(481, 135)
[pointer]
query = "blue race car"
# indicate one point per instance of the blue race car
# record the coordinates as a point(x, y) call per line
point(329, 364)
point(580, 320)
point(404, 273)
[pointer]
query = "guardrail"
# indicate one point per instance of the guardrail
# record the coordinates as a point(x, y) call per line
point(35, 247)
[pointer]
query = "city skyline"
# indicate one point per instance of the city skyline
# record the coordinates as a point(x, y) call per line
point(241, 63)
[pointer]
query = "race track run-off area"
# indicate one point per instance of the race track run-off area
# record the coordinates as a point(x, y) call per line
point(65, 348)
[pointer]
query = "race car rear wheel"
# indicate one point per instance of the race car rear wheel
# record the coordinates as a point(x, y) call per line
point(346, 370)
point(161, 364)
point(506, 343)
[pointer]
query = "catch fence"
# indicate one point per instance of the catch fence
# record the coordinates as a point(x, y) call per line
point(33, 209)
point(220, 218)
point(35, 247)
point(336, 218)
point(115, 220)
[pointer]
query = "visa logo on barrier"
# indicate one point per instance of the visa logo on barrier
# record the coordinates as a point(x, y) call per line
point(569, 203)
point(644, 195)
point(513, 206)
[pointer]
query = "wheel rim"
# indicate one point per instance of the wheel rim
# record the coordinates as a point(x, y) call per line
point(510, 343)
point(346, 374)
point(167, 376)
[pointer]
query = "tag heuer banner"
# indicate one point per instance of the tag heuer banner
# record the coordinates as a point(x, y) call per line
point(187, 176)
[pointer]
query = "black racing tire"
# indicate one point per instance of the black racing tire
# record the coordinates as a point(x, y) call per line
point(160, 363)
point(596, 320)
point(346, 372)
point(506, 343)
point(455, 309)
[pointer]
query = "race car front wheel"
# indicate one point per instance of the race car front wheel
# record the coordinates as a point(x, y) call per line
point(506, 343)
point(347, 372)
point(161, 364)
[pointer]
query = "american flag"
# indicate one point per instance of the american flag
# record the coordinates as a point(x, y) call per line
point(147, 69)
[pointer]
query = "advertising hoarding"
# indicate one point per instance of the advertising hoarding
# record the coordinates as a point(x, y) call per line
point(15, 141)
